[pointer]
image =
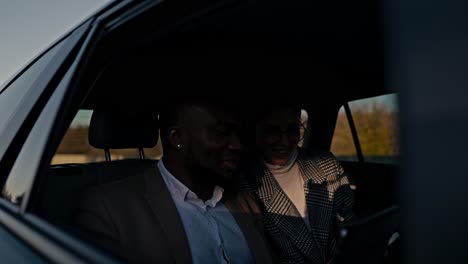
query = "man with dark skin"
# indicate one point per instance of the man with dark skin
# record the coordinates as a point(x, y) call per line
point(208, 144)
point(185, 208)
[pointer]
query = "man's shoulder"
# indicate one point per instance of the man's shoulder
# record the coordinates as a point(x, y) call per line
point(124, 188)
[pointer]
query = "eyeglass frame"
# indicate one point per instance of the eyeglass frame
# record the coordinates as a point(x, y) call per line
point(281, 132)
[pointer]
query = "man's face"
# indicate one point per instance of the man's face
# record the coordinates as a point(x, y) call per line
point(278, 135)
point(213, 145)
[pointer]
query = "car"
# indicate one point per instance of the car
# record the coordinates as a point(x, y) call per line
point(66, 117)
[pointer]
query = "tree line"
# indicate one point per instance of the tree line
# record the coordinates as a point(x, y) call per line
point(377, 127)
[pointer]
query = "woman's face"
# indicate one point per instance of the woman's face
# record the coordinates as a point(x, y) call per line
point(278, 135)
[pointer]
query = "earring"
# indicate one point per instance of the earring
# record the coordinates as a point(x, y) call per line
point(178, 146)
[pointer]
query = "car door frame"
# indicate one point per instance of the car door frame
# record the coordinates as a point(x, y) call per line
point(45, 239)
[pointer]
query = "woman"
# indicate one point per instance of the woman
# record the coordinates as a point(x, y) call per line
point(303, 195)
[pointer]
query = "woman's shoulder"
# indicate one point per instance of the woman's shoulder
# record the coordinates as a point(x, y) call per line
point(318, 156)
point(324, 160)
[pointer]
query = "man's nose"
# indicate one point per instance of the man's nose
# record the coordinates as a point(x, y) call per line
point(284, 139)
point(234, 142)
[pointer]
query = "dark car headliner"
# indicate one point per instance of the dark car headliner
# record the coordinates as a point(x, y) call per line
point(249, 51)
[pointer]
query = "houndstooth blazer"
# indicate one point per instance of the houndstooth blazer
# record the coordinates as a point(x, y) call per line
point(329, 202)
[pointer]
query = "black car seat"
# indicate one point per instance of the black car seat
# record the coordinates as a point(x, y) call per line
point(108, 130)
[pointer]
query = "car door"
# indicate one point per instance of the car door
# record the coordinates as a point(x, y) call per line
point(36, 104)
point(25, 102)
point(29, 106)
point(24, 96)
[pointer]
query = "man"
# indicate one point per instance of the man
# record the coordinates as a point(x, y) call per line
point(184, 209)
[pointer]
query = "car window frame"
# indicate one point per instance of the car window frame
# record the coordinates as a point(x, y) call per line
point(27, 112)
point(55, 244)
point(354, 133)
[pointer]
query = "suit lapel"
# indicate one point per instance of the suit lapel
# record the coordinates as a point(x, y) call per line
point(319, 203)
point(165, 211)
point(283, 214)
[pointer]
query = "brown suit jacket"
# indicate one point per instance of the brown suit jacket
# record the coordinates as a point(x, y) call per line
point(136, 219)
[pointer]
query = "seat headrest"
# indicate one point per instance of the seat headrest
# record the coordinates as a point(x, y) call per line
point(117, 130)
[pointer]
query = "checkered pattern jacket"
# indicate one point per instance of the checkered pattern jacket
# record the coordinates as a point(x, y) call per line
point(329, 202)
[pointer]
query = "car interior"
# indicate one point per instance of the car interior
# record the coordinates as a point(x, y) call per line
point(242, 53)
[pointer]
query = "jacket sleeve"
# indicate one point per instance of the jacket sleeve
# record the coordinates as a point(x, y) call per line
point(94, 220)
point(344, 200)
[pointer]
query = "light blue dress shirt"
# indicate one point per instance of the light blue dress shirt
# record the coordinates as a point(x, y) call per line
point(213, 234)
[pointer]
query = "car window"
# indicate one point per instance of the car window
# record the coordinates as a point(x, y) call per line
point(304, 122)
point(18, 188)
point(377, 127)
point(21, 177)
point(19, 97)
point(12, 96)
point(75, 147)
point(342, 143)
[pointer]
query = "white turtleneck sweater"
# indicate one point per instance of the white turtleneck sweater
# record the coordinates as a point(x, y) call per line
point(289, 178)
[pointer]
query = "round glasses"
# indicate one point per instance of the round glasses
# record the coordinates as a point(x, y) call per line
point(294, 133)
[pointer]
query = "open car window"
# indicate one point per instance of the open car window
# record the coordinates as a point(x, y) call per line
point(376, 124)
point(342, 143)
point(75, 146)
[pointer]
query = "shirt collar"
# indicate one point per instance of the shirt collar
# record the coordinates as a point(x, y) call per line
point(182, 193)
point(216, 197)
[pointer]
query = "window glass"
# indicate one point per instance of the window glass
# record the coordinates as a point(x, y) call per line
point(75, 147)
point(377, 126)
point(12, 95)
point(18, 98)
point(342, 143)
point(21, 176)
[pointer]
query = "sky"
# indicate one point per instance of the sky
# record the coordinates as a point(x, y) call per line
point(27, 27)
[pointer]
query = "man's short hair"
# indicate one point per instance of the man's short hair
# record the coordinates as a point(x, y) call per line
point(171, 112)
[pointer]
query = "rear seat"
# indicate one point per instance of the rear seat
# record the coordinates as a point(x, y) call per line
point(108, 130)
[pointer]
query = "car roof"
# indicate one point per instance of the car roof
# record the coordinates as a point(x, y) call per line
point(245, 48)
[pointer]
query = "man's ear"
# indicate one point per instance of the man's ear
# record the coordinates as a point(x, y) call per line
point(175, 138)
